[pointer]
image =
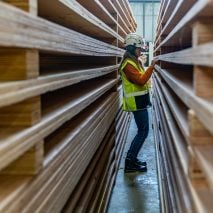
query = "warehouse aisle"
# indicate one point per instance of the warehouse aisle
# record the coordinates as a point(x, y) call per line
point(137, 192)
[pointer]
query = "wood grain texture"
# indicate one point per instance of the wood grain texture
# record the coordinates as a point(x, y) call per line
point(60, 158)
point(203, 108)
point(18, 64)
point(30, 163)
point(81, 19)
point(27, 5)
point(20, 90)
point(200, 8)
point(23, 114)
point(59, 99)
point(198, 55)
point(15, 142)
point(28, 31)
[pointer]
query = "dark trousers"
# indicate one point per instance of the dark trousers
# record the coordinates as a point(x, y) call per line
point(142, 122)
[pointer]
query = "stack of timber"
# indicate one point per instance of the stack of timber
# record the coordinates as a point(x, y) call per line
point(62, 128)
point(183, 105)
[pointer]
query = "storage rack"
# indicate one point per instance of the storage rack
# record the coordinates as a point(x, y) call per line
point(62, 127)
point(183, 105)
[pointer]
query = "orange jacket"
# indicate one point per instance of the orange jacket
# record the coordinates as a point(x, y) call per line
point(135, 76)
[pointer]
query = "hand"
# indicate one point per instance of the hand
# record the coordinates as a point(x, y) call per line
point(154, 61)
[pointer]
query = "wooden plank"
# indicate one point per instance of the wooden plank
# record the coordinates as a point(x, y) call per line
point(173, 169)
point(177, 13)
point(15, 142)
point(162, 12)
point(179, 141)
point(202, 198)
point(107, 195)
point(205, 159)
point(203, 108)
point(99, 9)
point(186, 90)
point(169, 9)
point(105, 188)
point(202, 32)
point(93, 206)
point(21, 90)
point(31, 32)
point(199, 55)
point(85, 198)
point(27, 5)
point(82, 20)
point(187, 189)
point(21, 192)
point(130, 11)
point(121, 143)
point(199, 135)
point(18, 64)
point(9, 189)
point(202, 142)
point(194, 170)
point(128, 14)
point(162, 175)
point(201, 8)
point(28, 164)
point(92, 171)
point(122, 14)
point(24, 114)
point(178, 109)
point(66, 184)
point(112, 9)
point(203, 79)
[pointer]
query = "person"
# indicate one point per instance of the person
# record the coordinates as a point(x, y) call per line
point(135, 82)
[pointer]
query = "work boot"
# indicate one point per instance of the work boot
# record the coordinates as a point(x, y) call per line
point(140, 163)
point(131, 166)
point(135, 160)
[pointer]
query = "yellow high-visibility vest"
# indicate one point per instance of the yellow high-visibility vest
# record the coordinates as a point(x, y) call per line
point(132, 93)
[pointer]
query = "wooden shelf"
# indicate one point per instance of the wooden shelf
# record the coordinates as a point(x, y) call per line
point(199, 55)
point(99, 9)
point(123, 14)
point(179, 141)
point(184, 90)
point(56, 164)
point(128, 12)
point(113, 10)
point(28, 31)
point(179, 110)
point(183, 108)
point(176, 12)
point(77, 18)
point(172, 166)
point(14, 92)
point(127, 6)
point(60, 103)
point(15, 142)
point(199, 9)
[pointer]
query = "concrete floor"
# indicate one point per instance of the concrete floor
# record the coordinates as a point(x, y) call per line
point(137, 192)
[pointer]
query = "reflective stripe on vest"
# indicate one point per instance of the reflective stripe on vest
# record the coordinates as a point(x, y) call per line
point(136, 93)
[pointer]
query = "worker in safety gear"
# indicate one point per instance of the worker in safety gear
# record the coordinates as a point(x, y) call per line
point(136, 99)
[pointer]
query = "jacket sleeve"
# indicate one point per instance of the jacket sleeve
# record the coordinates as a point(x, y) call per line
point(135, 76)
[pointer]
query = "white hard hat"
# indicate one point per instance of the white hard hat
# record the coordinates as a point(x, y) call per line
point(134, 40)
